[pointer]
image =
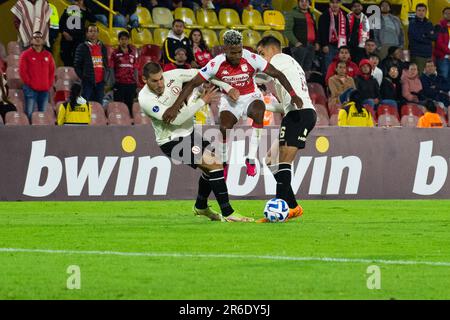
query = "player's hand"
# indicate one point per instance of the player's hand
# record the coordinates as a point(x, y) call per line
point(234, 94)
point(210, 94)
point(170, 114)
point(297, 102)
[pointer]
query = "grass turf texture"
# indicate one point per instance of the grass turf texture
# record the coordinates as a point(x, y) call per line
point(390, 230)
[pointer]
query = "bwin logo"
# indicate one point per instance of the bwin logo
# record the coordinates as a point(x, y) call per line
point(96, 177)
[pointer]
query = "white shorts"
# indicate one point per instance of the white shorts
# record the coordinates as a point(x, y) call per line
point(239, 107)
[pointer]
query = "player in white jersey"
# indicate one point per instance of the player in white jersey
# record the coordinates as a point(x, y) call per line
point(236, 67)
point(159, 93)
point(296, 123)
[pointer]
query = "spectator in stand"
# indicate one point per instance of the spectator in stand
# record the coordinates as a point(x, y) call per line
point(394, 58)
point(199, 48)
point(261, 5)
point(412, 89)
point(435, 87)
point(391, 89)
point(359, 31)
point(72, 36)
point(442, 48)
point(180, 61)
point(177, 39)
point(238, 5)
point(37, 71)
point(421, 36)
point(5, 105)
point(54, 25)
point(76, 111)
point(31, 16)
point(126, 12)
point(124, 62)
point(301, 32)
point(150, 4)
point(370, 47)
point(376, 73)
point(344, 56)
point(391, 32)
point(367, 86)
point(431, 118)
point(91, 63)
point(340, 85)
point(354, 114)
point(333, 31)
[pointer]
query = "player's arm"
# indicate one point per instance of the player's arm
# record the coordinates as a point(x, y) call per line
point(277, 74)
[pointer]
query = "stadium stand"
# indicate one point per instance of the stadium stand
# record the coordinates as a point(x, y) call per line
point(15, 118)
point(388, 120)
point(42, 119)
point(66, 73)
point(274, 19)
point(117, 118)
point(14, 48)
point(138, 117)
point(163, 17)
point(411, 109)
point(14, 80)
point(250, 38)
point(188, 16)
point(3, 53)
point(159, 35)
point(152, 51)
point(387, 109)
point(230, 19)
point(118, 107)
point(210, 38)
point(208, 19)
point(141, 37)
point(98, 117)
point(277, 35)
point(145, 18)
point(221, 33)
point(13, 60)
point(253, 19)
point(409, 121)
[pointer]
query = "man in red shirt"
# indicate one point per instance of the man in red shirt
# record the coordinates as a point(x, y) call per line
point(37, 71)
point(343, 56)
point(180, 61)
point(124, 63)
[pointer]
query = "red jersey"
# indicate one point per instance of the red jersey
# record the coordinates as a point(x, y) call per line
point(124, 65)
point(37, 69)
point(97, 61)
point(202, 57)
point(239, 77)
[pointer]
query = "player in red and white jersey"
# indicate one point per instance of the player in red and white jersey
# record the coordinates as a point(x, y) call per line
point(237, 67)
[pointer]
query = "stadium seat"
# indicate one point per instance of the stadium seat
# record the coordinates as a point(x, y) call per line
point(109, 51)
point(159, 35)
point(208, 19)
point(66, 73)
point(253, 19)
point(98, 117)
point(13, 60)
point(18, 102)
point(188, 16)
point(441, 112)
point(119, 107)
point(217, 50)
point(230, 19)
point(41, 119)
point(409, 121)
point(411, 109)
point(1, 121)
point(162, 16)
point(388, 120)
point(250, 38)
point(274, 19)
point(139, 117)
point(322, 115)
point(334, 119)
point(61, 95)
point(14, 118)
point(13, 48)
point(141, 37)
point(145, 18)
point(277, 35)
point(221, 33)
point(387, 109)
point(16, 94)
point(3, 53)
point(316, 88)
point(14, 80)
point(63, 84)
point(109, 38)
point(152, 51)
point(372, 112)
point(118, 118)
point(210, 38)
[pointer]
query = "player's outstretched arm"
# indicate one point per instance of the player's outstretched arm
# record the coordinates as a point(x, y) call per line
point(277, 74)
point(172, 112)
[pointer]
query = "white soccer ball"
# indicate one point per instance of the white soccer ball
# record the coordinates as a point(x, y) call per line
point(276, 210)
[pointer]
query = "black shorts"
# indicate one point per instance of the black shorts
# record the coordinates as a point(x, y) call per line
point(296, 126)
point(187, 150)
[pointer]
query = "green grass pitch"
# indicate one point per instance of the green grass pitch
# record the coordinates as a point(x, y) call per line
point(175, 255)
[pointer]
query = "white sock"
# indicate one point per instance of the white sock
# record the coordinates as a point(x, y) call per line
point(254, 142)
point(223, 151)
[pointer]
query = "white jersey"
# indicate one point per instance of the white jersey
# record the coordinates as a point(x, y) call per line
point(154, 106)
point(296, 77)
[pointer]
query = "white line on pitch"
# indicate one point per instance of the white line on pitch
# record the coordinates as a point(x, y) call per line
point(227, 256)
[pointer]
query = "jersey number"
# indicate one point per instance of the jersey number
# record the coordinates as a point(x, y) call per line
point(282, 132)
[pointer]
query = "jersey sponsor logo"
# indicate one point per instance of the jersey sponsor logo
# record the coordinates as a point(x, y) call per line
point(155, 109)
point(170, 83)
point(253, 56)
point(213, 64)
point(236, 78)
point(176, 90)
point(195, 149)
point(224, 72)
point(244, 67)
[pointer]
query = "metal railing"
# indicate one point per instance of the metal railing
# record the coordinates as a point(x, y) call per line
point(110, 10)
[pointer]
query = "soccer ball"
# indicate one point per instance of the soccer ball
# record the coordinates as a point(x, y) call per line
point(276, 210)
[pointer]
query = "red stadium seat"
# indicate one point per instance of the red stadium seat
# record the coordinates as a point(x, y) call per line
point(317, 88)
point(41, 119)
point(61, 95)
point(441, 112)
point(98, 117)
point(14, 48)
point(116, 107)
point(63, 85)
point(409, 121)
point(16, 94)
point(118, 118)
point(411, 109)
point(388, 120)
point(141, 119)
point(334, 119)
point(13, 60)
point(14, 118)
point(14, 80)
point(387, 109)
point(19, 103)
point(66, 73)
point(322, 115)
point(152, 51)
point(372, 112)
point(317, 93)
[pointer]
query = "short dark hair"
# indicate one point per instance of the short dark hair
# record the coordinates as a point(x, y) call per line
point(385, 1)
point(374, 55)
point(421, 5)
point(445, 9)
point(151, 68)
point(177, 20)
point(370, 40)
point(355, 2)
point(343, 48)
point(430, 61)
point(93, 25)
point(429, 104)
point(123, 34)
point(269, 41)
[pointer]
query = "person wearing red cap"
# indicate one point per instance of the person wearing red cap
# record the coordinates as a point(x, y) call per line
point(344, 56)
point(367, 85)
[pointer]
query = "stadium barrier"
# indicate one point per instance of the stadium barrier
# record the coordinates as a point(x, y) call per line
point(124, 163)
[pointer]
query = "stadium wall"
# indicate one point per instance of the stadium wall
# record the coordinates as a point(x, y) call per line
point(124, 163)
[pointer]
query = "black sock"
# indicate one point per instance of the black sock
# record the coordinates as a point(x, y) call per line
point(283, 176)
point(219, 187)
point(204, 190)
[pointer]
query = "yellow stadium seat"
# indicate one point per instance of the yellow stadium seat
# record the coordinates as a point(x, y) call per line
point(221, 33)
point(141, 37)
point(145, 19)
point(187, 15)
point(250, 38)
point(109, 39)
point(162, 16)
point(253, 19)
point(274, 19)
point(208, 19)
point(230, 19)
point(210, 38)
point(159, 35)
point(277, 35)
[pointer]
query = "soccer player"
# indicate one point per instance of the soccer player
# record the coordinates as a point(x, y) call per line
point(295, 126)
point(236, 67)
point(159, 93)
